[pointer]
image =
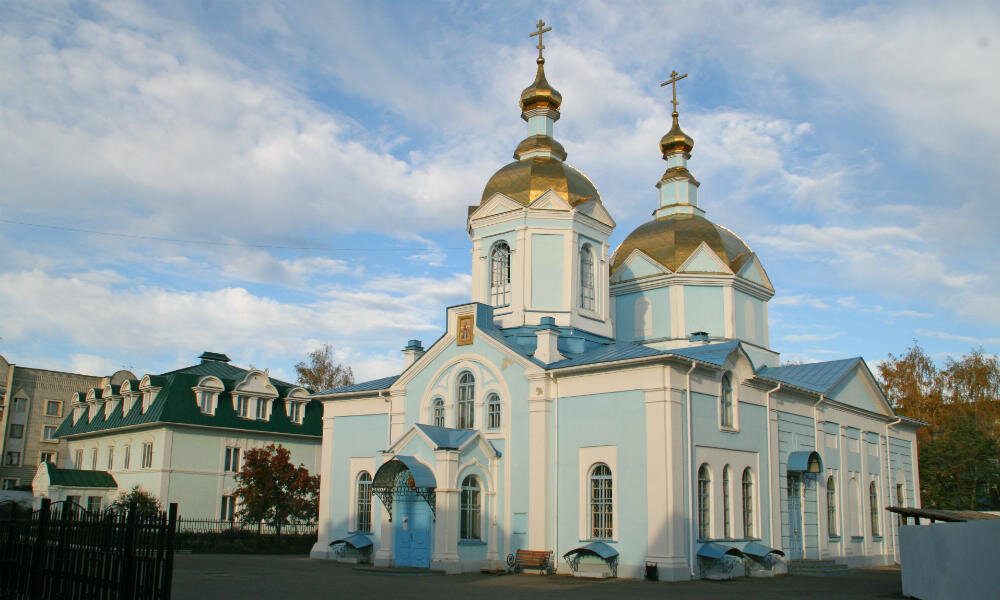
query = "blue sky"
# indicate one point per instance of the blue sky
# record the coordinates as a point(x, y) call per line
point(260, 179)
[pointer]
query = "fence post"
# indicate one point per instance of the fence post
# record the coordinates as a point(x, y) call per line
point(127, 590)
point(38, 552)
point(168, 566)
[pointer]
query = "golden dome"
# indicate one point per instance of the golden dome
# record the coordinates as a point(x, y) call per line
point(671, 239)
point(540, 94)
point(540, 142)
point(675, 139)
point(526, 180)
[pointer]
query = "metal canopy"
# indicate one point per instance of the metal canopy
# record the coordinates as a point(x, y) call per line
point(358, 541)
point(805, 461)
point(387, 482)
point(717, 551)
point(760, 551)
point(599, 549)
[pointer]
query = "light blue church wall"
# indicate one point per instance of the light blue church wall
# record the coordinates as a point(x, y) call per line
point(872, 452)
point(546, 271)
point(852, 390)
point(830, 446)
point(625, 314)
point(749, 313)
point(852, 444)
point(471, 550)
point(614, 419)
point(796, 433)
point(900, 459)
point(361, 436)
point(703, 310)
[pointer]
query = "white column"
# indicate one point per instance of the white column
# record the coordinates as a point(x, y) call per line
point(446, 500)
point(326, 490)
point(397, 415)
point(384, 555)
point(657, 488)
point(539, 459)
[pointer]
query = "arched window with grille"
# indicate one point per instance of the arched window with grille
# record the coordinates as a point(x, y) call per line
point(601, 502)
point(586, 277)
point(364, 521)
point(493, 413)
point(748, 529)
point(873, 505)
point(831, 506)
point(466, 400)
point(704, 502)
point(471, 509)
point(500, 274)
point(727, 517)
point(726, 401)
point(437, 412)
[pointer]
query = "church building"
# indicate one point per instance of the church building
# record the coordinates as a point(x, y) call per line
point(623, 411)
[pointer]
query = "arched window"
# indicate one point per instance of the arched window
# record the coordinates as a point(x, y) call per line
point(586, 277)
point(873, 505)
point(601, 510)
point(727, 518)
point(831, 506)
point(437, 410)
point(500, 274)
point(364, 501)
point(704, 502)
point(493, 412)
point(471, 509)
point(466, 400)
point(726, 401)
point(748, 503)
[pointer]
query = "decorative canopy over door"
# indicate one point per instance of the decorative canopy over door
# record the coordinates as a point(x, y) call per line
point(806, 461)
point(389, 482)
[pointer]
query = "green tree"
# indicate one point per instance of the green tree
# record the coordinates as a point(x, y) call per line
point(273, 490)
point(321, 372)
point(959, 468)
point(144, 501)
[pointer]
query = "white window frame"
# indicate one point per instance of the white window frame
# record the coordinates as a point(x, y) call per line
point(499, 293)
point(50, 440)
point(147, 455)
point(588, 285)
point(438, 416)
point(727, 502)
point(470, 508)
point(19, 405)
point(832, 518)
point(749, 529)
point(262, 410)
point(90, 503)
point(241, 406)
point(588, 457)
point(727, 402)
point(465, 405)
point(703, 502)
point(126, 456)
point(111, 458)
point(227, 507)
point(874, 509)
point(231, 458)
point(93, 458)
point(363, 501)
point(78, 460)
point(494, 411)
point(357, 465)
point(59, 406)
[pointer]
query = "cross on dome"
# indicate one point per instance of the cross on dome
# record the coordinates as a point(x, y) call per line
point(541, 30)
point(674, 78)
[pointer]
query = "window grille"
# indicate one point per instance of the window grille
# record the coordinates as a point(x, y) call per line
point(438, 412)
point(364, 501)
point(748, 503)
point(873, 504)
point(471, 509)
point(493, 412)
point(500, 274)
point(466, 400)
point(831, 506)
point(586, 278)
point(727, 526)
point(726, 401)
point(601, 503)
point(704, 502)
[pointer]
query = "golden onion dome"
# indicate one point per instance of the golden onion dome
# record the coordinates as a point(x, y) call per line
point(676, 139)
point(526, 180)
point(671, 239)
point(540, 94)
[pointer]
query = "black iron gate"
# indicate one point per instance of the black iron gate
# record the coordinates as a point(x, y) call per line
point(62, 551)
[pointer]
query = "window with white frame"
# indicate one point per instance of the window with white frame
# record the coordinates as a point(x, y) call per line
point(78, 460)
point(242, 406)
point(493, 411)
point(726, 401)
point(53, 408)
point(147, 400)
point(471, 509)
point(295, 412)
point(126, 456)
point(437, 409)
point(500, 274)
point(16, 431)
point(466, 400)
point(704, 502)
point(111, 457)
point(93, 459)
point(227, 508)
point(44, 457)
point(601, 502)
point(586, 278)
point(262, 409)
point(147, 455)
point(873, 506)
point(49, 433)
point(832, 525)
point(206, 401)
point(727, 517)
point(364, 494)
point(231, 463)
point(748, 529)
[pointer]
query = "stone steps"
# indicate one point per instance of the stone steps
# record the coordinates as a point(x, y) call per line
point(815, 567)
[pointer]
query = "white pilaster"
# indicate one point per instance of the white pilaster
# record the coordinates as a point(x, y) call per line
point(446, 503)
point(539, 459)
point(326, 490)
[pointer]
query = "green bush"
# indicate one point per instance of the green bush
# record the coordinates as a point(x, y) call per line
point(244, 542)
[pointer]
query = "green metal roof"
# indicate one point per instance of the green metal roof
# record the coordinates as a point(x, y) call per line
point(80, 478)
point(176, 404)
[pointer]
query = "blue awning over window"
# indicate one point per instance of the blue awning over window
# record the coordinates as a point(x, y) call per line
point(805, 461)
point(717, 551)
point(358, 541)
point(760, 551)
point(599, 549)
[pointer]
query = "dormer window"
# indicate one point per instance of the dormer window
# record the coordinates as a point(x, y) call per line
point(262, 409)
point(206, 394)
point(241, 406)
point(147, 400)
point(295, 404)
point(295, 412)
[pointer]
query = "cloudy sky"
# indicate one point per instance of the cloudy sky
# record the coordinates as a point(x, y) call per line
point(260, 179)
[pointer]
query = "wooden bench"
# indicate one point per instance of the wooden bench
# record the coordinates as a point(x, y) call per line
point(540, 560)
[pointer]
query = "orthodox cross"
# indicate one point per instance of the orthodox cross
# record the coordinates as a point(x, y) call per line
point(541, 29)
point(674, 78)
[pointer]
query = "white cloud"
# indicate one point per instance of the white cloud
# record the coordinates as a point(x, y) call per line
point(954, 337)
point(799, 300)
point(812, 337)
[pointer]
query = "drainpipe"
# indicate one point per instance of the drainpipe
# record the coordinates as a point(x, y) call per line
point(691, 471)
point(773, 485)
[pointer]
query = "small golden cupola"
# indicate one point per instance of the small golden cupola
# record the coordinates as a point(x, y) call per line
point(540, 108)
point(678, 187)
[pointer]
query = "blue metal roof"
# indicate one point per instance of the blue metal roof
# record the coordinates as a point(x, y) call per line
point(808, 461)
point(422, 475)
point(358, 541)
point(715, 354)
point(596, 548)
point(819, 377)
point(446, 438)
point(366, 386)
point(717, 551)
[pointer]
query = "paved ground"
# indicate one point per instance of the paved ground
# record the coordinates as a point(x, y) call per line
point(249, 577)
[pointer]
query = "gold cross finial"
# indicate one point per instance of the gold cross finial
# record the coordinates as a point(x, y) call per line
point(541, 29)
point(674, 78)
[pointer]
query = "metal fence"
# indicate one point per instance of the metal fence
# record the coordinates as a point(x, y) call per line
point(261, 528)
point(62, 551)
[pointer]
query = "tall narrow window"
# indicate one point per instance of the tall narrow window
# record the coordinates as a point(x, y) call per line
point(93, 459)
point(726, 401)
point(704, 502)
point(601, 503)
point(500, 274)
point(471, 509)
point(78, 460)
point(364, 501)
point(900, 501)
point(231, 464)
point(261, 409)
point(831, 506)
point(227, 510)
point(466, 400)
point(126, 456)
point(493, 411)
point(295, 412)
point(727, 518)
point(111, 457)
point(438, 412)
point(147, 455)
point(205, 401)
point(241, 406)
point(586, 277)
point(873, 504)
point(748, 503)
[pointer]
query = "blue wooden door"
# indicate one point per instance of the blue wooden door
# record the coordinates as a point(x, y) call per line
point(412, 535)
point(794, 548)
